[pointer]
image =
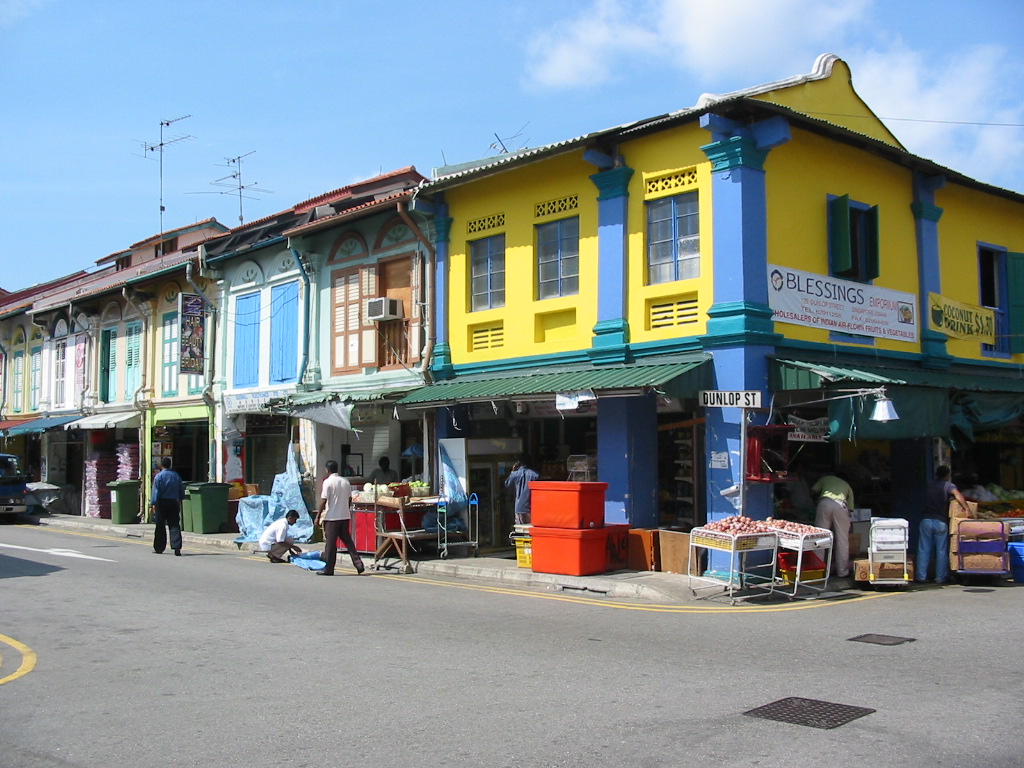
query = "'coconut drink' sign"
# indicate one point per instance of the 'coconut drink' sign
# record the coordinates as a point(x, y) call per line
point(961, 321)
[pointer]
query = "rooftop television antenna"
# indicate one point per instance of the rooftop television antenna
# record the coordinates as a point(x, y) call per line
point(159, 149)
point(234, 185)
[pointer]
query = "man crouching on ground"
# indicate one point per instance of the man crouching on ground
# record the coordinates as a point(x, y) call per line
point(276, 541)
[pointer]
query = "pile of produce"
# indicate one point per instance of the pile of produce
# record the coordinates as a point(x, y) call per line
point(419, 488)
point(798, 529)
point(736, 525)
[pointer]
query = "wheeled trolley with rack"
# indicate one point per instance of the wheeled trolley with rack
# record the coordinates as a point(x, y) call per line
point(447, 538)
point(987, 538)
point(888, 542)
point(815, 540)
point(740, 575)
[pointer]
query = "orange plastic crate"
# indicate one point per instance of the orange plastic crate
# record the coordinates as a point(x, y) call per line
point(568, 551)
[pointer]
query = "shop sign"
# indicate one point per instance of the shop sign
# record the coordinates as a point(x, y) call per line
point(717, 398)
point(843, 306)
point(192, 341)
point(251, 402)
point(961, 321)
point(808, 430)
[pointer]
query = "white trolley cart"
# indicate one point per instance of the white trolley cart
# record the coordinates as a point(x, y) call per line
point(817, 540)
point(469, 538)
point(738, 546)
point(888, 543)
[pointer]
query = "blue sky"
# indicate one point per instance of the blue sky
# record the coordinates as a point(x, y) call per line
point(325, 93)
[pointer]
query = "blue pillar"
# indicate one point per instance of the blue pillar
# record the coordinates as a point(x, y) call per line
point(627, 459)
point(926, 228)
point(611, 334)
point(740, 330)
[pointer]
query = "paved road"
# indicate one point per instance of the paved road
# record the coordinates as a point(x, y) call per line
point(113, 656)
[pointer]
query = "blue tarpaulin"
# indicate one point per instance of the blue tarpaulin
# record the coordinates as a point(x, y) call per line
point(256, 513)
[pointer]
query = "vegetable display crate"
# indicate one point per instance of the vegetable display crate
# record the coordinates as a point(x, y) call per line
point(740, 574)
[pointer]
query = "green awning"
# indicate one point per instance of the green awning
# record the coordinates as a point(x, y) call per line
point(682, 379)
point(804, 374)
point(41, 425)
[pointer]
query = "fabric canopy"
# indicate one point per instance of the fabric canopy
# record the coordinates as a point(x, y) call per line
point(41, 425)
point(332, 413)
point(106, 421)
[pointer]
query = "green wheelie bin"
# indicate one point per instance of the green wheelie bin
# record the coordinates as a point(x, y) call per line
point(209, 507)
point(124, 501)
point(187, 508)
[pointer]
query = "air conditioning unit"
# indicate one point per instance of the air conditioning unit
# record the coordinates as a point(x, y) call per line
point(383, 309)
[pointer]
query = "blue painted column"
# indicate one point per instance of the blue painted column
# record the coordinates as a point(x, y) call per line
point(611, 334)
point(441, 365)
point(627, 448)
point(740, 330)
point(926, 228)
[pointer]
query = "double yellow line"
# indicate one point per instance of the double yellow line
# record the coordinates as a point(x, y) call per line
point(28, 659)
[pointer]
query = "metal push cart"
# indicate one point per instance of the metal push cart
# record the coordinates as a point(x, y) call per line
point(817, 540)
point(983, 537)
point(740, 575)
point(888, 543)
point(447, 538)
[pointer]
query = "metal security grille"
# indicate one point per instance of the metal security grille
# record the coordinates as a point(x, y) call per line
point(809, 712)
point(882, 639)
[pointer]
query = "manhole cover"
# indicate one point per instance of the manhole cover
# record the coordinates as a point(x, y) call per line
point(882, 639)
point(810, 712)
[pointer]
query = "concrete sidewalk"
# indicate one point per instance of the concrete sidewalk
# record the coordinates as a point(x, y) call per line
point(649, 586)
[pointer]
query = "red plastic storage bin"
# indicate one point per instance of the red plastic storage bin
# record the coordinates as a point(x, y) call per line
point(617, 548)
point(569, 552)
point(567, 505)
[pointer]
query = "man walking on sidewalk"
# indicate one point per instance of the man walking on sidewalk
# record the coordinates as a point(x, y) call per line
point(165, 501)
point(334, 515)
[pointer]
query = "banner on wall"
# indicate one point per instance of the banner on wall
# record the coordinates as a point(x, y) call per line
point(842, 306)
point(961, 321)
point(192, 320)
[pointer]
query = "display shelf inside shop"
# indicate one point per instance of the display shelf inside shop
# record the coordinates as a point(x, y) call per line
point(816, 540)
point(740, 575)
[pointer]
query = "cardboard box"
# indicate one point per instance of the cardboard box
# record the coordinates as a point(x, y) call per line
point(980, 562)
point(856, 545)
point(643, 549)
point(674, 551)
point(955, 510)
point(882, 570)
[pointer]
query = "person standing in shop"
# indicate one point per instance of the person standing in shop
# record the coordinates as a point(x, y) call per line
point(519, 479)
point(335, 517)
point(384, 474)
point(835, 500)
point(933, 533)
point(165, 503)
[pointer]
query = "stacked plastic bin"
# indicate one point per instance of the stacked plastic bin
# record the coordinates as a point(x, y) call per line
point(567, 528)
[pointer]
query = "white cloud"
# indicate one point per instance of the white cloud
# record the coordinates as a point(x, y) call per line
point(973, 85)
point(12, 11)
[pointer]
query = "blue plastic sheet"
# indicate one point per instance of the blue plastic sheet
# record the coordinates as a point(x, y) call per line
point(256, 513)
point(309, 560)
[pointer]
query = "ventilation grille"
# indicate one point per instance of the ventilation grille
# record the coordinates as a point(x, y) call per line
point(674, 181)
point(484, 223)
point(561, 205)
point(673, 312)
point(491, 337)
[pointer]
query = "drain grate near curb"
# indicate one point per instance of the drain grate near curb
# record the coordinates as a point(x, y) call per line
point(810, 712)
point(882, 639)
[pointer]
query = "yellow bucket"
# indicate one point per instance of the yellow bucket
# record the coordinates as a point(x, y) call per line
point(524, 551)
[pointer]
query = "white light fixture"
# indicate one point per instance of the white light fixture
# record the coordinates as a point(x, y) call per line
point(884, 409)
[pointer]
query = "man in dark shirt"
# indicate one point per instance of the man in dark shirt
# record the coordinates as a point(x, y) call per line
point(933, 534)
point(165, 501)
point(520, 478)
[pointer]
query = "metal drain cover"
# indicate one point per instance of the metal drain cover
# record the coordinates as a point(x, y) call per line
point(882, 639)
point(810, 712)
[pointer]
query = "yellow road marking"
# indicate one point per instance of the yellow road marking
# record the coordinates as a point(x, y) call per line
point(28, 659)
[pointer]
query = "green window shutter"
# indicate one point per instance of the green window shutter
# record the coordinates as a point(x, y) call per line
point(1015, 288)
point(871, 259)
point(839, 235)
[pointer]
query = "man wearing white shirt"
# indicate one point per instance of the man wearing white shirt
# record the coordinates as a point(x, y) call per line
point(334, 515)
point(276, 541)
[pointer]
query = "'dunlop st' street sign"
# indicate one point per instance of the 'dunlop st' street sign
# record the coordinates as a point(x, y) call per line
point(718, 398)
